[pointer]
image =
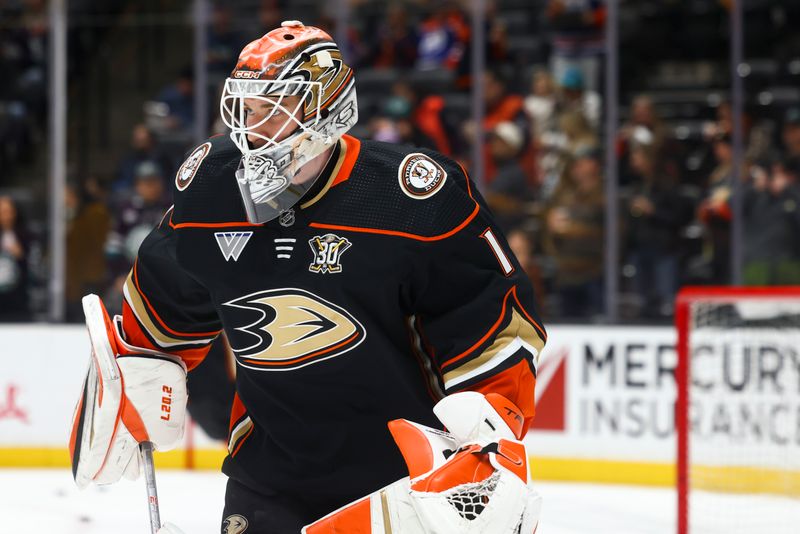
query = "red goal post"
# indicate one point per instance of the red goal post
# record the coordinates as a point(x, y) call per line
point(737, 463)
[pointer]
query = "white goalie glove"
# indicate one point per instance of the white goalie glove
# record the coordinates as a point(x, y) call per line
point(473, 480)
point(130, 395)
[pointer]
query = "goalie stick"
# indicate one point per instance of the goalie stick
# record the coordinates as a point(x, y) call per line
point(146, 450)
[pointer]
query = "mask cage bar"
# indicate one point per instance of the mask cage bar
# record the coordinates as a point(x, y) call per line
point(233, 113)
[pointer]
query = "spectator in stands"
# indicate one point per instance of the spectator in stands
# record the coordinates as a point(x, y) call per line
point(415, 122)
point(429, 121)
point(179, 98)
point(396, 40)
point(791, 133)
point(771, 207)
point(644, 127)
point(715, 211)
point(510, 189)
point(757, 136)
point(577, 37)
point(496, 33)
point(557, 148)
point(540, 104)
point(578, 131)
point(143, 148)
point(137, 217)
point(224, 42)
point(655, 213)
point(574, 96)
point(383, 129)
point(521, 244)
point(23, 94)
point(14, 248)
point(88, 223)
point(443, 37)
point(574, 220)
point(270, 15)
point(501, 106)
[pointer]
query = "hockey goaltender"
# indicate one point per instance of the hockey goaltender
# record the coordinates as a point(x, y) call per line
point(369, 299)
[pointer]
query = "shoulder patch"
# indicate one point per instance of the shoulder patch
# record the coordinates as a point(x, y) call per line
point(189, 167)
point(420, 176)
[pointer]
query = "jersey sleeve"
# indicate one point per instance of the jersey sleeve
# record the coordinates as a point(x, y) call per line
point(474, 310)
point(164, 308)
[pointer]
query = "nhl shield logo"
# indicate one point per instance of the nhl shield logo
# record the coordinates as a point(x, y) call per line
point(186, 173)
point(328, 250)
point(420, 177)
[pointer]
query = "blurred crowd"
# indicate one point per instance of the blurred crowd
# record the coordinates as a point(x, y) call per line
point(543, 150)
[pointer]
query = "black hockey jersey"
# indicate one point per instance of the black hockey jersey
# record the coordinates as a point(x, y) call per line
point(385, 288)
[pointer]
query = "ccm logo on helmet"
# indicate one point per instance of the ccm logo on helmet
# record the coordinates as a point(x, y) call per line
point(246, 74)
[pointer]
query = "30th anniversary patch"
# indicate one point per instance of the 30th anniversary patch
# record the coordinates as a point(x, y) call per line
point(420, 177)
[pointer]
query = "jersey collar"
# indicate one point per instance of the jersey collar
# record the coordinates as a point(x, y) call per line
point(337, 170)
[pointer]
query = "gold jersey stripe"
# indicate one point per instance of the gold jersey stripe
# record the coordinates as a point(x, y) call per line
point(238, 433)
point(518, 327)
point(136, 303)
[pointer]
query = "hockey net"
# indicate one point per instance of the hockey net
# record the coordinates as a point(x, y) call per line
point(738, 410)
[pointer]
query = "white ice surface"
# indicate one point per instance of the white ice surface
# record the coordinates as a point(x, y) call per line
point(47, 501)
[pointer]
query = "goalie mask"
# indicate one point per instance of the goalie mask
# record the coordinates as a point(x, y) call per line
point(290, 98)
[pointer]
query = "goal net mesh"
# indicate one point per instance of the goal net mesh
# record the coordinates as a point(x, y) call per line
point(743, 402)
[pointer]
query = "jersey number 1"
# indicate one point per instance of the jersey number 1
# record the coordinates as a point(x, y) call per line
point(498, 251)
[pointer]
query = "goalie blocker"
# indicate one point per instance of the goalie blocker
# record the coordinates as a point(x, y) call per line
point(473, 480)
point(130, 395)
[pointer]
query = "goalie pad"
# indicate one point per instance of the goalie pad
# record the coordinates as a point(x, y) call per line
point(453, 488)
point(130, 395)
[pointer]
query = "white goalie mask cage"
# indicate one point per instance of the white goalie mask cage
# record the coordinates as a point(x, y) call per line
point(278, 134)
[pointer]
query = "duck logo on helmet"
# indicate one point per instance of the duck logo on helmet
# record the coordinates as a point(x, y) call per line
point(323, 65)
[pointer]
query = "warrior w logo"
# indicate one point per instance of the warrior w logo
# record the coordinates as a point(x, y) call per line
point(231, 244)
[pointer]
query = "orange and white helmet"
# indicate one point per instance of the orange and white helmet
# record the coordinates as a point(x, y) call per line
point(293, 60)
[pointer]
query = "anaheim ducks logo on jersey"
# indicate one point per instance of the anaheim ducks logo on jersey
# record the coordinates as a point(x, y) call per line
point(420, 177)
point(187, 171)
point(235, 524)
point(293, 328)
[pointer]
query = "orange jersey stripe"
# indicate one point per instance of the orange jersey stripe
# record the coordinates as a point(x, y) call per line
point(486, 336)
point(400, 234)
point(136, 336)
point(353, 148)
point(539, 328)
point(293, 361)
point(241, 441)
point(237, 411)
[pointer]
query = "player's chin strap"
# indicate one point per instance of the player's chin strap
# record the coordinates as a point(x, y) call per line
point(474, 480)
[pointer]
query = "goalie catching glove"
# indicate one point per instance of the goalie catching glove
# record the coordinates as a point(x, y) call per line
point(472, 480)
point(130, 395)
